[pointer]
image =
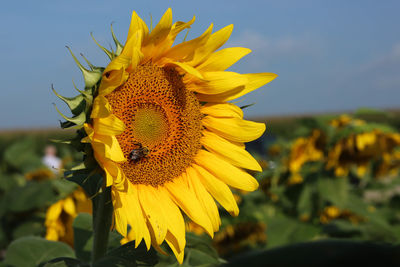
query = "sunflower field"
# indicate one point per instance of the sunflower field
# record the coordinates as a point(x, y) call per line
point(329, 194)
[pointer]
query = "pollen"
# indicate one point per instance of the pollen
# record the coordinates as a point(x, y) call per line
point(161, 115)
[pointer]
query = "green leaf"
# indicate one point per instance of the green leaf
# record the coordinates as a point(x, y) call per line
point(63, 187)
point(128, 256)
point(282, 230)
point(323, 253)
point(91, 182)
point(334, 190)
point(28, 228)
point(83, 233)
point(32, 195)
point(83, 236)
point(64, 262)
point(21, 156)
point(31, 251)
point(305, 203)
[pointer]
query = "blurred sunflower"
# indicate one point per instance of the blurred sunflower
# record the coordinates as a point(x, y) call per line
point(60, 216)
point(166, 137)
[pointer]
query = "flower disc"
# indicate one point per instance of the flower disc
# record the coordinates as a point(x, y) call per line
point(162, 117)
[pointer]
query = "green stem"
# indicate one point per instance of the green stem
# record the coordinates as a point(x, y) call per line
point(102, 218)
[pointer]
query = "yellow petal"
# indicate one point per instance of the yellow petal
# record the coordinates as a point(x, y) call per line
point(110, 125)
point(150, 202)
point(136, 218)
point(219, 82)
point(173, 244)
point(255, 80)
point(186, 68)
point(176, 224)
point(137, 24)
point(162, 29)
point(215, 41)
point(180, 26)
point(54, 211)
point(223, 59)
point(226, 172)
point(222, 110)
point(218, 189)
point(206, 200)
point(132, 50)
point(229, 151)
point(121, 223)
point(69, 206)
point(234, 129)
point(158, 51)
point(185, 50)
point(101, 108)
point(113, 78)
point(188, 202)
point(114, 175)
point(108, 147)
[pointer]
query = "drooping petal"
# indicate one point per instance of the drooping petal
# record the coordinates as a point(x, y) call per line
point(121, 223)
point(150, 202)
point(218, 189)
point(205, 199)
point(226, 172)
point(234, 129)
point(136, 218)
point(174, 245)
point(188, 202)
point(228, 151)
point(176, 224)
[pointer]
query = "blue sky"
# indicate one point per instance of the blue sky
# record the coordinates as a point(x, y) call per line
point(329, 55)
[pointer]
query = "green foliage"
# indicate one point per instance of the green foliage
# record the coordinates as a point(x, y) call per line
point(297, 219)
point(31, 251)
point(323, 253)
point(198, 252)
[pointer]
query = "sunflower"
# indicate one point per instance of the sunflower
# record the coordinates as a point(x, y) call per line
point(166, 136)
point(60, 216)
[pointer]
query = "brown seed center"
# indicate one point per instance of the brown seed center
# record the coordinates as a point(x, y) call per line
point(162, 117)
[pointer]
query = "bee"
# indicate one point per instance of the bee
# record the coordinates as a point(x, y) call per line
point(138, 153)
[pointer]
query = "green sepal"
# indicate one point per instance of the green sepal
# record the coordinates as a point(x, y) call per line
point(76, 104)
point(118, 45)
point(91, 66)
point(110, 54)
point(78, 120)
point(91, 77)
point(247, 106)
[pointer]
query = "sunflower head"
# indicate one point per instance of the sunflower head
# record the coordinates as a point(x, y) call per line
point(158, 123)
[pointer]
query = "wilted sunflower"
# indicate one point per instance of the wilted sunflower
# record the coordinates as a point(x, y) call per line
point(166, 137)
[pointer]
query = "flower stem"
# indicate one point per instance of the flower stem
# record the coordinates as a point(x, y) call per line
point(102, 217)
